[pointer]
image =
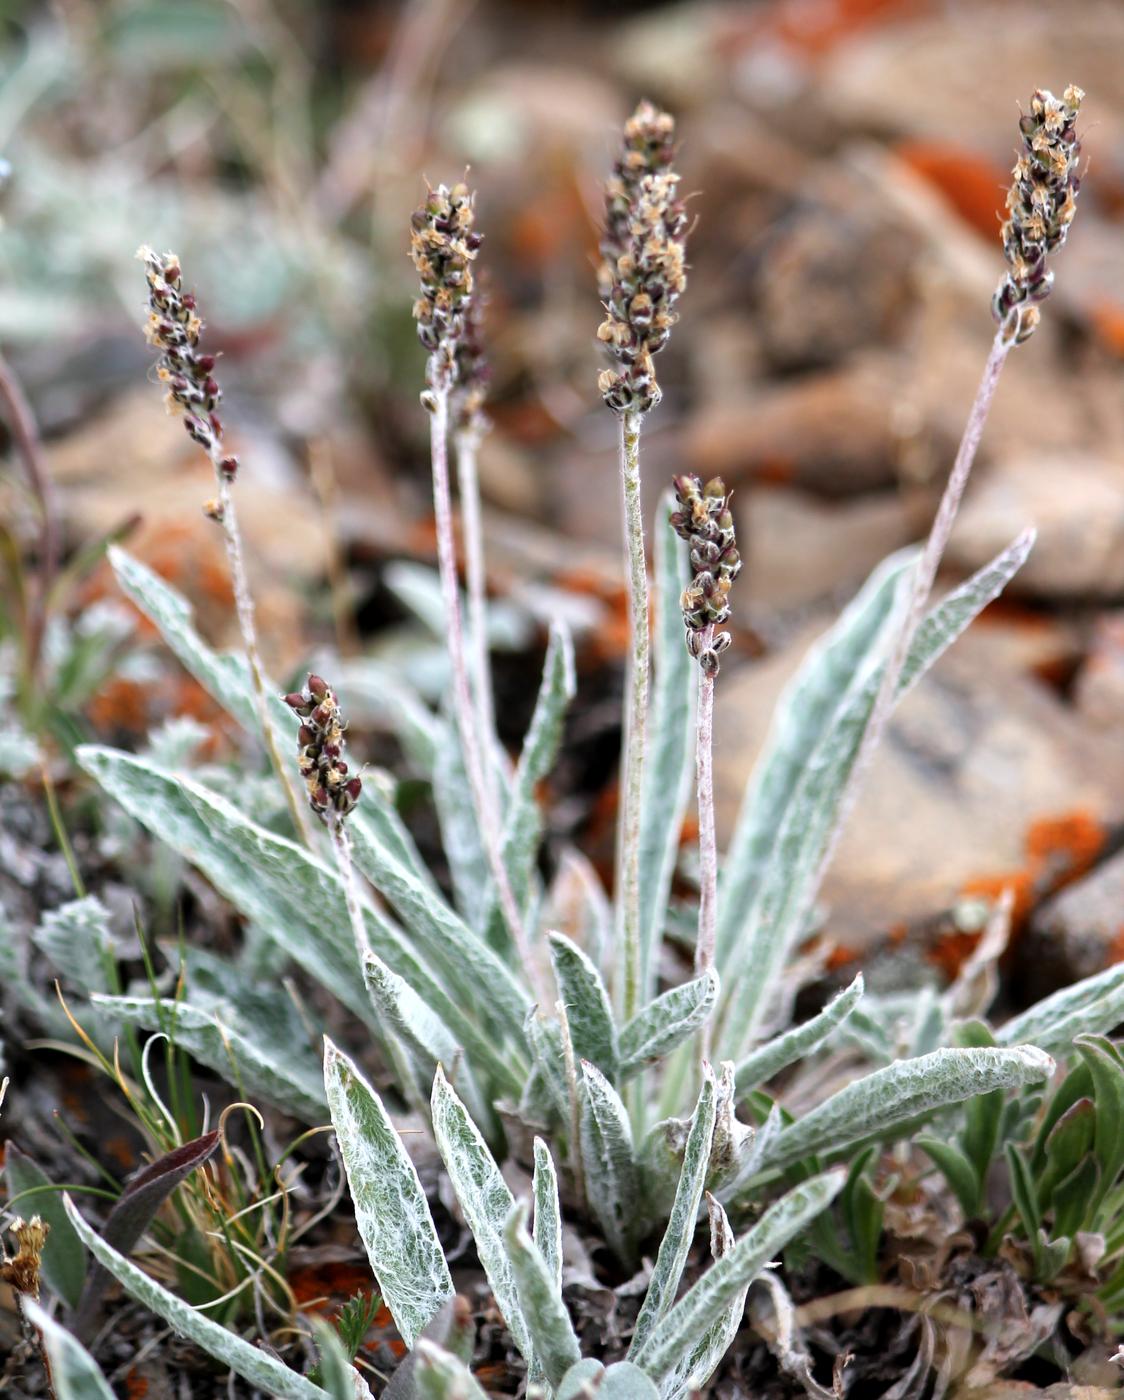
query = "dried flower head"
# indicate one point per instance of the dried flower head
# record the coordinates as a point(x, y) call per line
point(320, 746)
point(443, 246)
point(704, 521)
point(174, 328)
point(648, 148)
point(1041, 204)
point(22, 1270)
point(643, 271)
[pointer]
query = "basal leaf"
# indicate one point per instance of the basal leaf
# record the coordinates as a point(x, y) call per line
point(552, 1333)
point(75, 1374)
point(226, 1347)
point(391, 1210)
point(907, 1089)
point(767, 1060)
point(1093, 1006)
point(782, 900)
point(288, 1080)
point(64, 1259)
point(708, 1301)
point(611, 1177)
point(588, 1013)
point(548, 1213)
point(484, 1199)
point(667, 1022)
point(684, 1216)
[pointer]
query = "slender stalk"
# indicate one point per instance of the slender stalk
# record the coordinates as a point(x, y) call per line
point(25, 435)
point(635, 720)
point(923, 578)
point(466, 444)
point(486, 815)
point(708, 844)
point(244, 604)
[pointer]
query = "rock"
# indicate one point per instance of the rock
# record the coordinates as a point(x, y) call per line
point(985, 779)
point(1098, 692)
point(800, 551)
point(1077, 504)
point(834, 273)
point(832, 431)
point(1080, 930)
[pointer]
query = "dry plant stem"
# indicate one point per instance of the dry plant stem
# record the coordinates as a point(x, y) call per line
point(244, 603)
point(708, 844)
point(487, 817)
point(25, 435)
point(635, 720)
point(923, 578)
point(467, 443)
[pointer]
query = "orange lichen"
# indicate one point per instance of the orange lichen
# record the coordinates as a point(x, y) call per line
point(1068, 844)
point(136, 1385)
point(1116, 948)
point(841, 956)
point(1058, 851)
point(972, 185)
point(1107, 318)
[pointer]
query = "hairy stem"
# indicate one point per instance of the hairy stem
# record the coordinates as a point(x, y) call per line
point(635, 721)
point(25, 434)
point(923, 578)
point(244, 604)
point(572, 1090)
point(708, 844)
point(487, 818)
point(467, 443)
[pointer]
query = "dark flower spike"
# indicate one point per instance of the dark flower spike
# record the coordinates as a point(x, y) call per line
point(174, 328)
point(443, 245)
point(705, 522)
point(643, 271)
point(320, 746)
point(1041, 204)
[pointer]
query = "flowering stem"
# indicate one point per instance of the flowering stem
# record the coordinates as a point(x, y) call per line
point(708, 847)
point(923, 578)
point(244, 603)
point(635, 720)
point(25, 434)
point(487, 817)
point(467, 442)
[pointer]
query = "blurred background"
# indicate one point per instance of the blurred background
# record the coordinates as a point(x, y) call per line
point(848, 162)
